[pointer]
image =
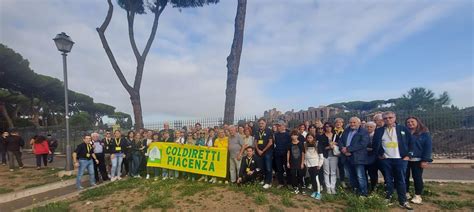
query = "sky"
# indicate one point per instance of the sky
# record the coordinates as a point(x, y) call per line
point(296, 55)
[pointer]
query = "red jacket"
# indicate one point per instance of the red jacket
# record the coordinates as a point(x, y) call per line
point(41, 148)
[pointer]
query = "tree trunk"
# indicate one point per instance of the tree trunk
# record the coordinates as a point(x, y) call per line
point(233, 62)
point(137, 109)
point(4, 112)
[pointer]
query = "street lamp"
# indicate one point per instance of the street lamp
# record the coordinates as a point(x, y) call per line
point(64, 44)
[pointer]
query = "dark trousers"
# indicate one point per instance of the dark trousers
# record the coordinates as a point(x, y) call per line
point(372, 173)
point(135, 164)
point(280, 163)
point(267, 159)
point(3, 155)
point(297, 178)
point(340, 166)
point(100, 168)
point(394, 173)
point(314, 173)
point(415, 168)
point(45, 160)
point(14, 155)
point(249, 178)
point(126, 164)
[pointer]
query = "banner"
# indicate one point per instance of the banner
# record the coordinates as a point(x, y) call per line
point(188, 158)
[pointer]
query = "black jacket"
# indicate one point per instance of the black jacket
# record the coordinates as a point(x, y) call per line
point(254, 164)
point(14, 142)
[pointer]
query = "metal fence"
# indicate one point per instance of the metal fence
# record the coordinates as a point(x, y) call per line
point(190, 123)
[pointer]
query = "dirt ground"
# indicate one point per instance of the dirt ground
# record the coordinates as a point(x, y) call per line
point(180, 195)
point(25, 178)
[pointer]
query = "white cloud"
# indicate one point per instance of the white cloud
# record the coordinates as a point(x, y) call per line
point(186, 70)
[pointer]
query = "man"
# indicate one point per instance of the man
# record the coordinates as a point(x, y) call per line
point(393, 146)
point(372, 165)
point(354, 148)
point(117, 149)
point(378, 119)
point(82, 158)
point(15, 143)
point(249, 167)
point(235, 146)
point(282, 142)
point(107, 141)
point(53, 145)
point(166, 128)
point(264, 147)
point(339, 129)
point(99, 169)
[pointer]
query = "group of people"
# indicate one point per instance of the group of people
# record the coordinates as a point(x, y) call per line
point(315, 156)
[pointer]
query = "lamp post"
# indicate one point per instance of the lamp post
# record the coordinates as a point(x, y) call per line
point(64, 44)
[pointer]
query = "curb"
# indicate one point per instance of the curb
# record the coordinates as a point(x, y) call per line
point(4, 198)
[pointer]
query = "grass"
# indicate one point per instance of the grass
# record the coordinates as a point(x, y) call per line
point(468, 191)
point(452, 193)
point(5, 190)
point(453, 204)
point(287, 202)
point(273, 208)
point(97, 193)
point(34, 185)
point(260, 199)
point(55, 206)
point(158, 199)
point(193, 188)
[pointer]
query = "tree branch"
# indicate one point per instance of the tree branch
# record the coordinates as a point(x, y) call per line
point(131, 36)
point(141, 63)
point(108, 51)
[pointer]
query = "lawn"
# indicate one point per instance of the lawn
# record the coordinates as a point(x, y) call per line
point(182, 195)
point(28, 177)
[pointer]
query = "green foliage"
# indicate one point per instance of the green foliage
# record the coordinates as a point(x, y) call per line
point(452, 193)
point(122, 119)
point(260, 198)
point(422, 99)
point(287, 202)
point(99, 192)
point(273, 208)
point(81, 119)
point(55, 206)
point(192, 189)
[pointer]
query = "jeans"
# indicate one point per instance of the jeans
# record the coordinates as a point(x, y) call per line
point(372, 171)
point(357, 178)
point(83, 165)
point(135, 164)
point(51, 156)
point(267, 166)
point(330, 172)
point(297, 178)
point(394, 172)
point(417, 172)
point(45, 160)
point(14, 155)
point(280, 164)
point(234, 169)
point(116, 165)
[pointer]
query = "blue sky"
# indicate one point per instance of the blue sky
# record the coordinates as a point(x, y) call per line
point(307, 53)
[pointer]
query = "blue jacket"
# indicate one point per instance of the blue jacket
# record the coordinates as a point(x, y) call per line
point(358, 146)
point(404, 138)
point(422, 147)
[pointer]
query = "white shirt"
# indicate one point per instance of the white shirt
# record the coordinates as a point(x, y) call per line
point(390, 143)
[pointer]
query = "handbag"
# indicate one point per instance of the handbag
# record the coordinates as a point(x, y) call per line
point(335, 150)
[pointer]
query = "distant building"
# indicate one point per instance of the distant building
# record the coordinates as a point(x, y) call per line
point(322, 113)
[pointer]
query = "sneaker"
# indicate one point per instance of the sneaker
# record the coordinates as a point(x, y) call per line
point(11, 170)
point(388, 202)
point(343, 184)
point(318, 196)
point(262, 182)
point(310, 187)
point(165, 178)
point(267, 186)
point(92, 185)
point(155, 179)
point(38, 168)
point(4, 164)
point(280, 186)
point(80, 188)
point(113, 179)
point(21, 167)
point(303, 192)
point(417, 199)
point(408, 196)
point(407, 206)
point(203, 178)
point(297, 191)
point(147, 176)
point(119, 178)
point(313, 195)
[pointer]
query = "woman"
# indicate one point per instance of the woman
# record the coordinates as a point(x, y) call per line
point(241, 130)
point(248, 140)
point(3, 147)
point(295, 157)
point(211, 137)
point(201, 139)
point(41, 150)
point(330, 152)
point(422, 149)
point(312, 130)
point(136, 153)
point(314, 161)
point(222, 141)
point(127, 161)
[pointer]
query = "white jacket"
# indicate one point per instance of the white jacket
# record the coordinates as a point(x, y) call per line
point(313, 158)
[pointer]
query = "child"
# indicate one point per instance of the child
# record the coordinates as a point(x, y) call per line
point(313, 160)
point(295, 158)
point(155, 138)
